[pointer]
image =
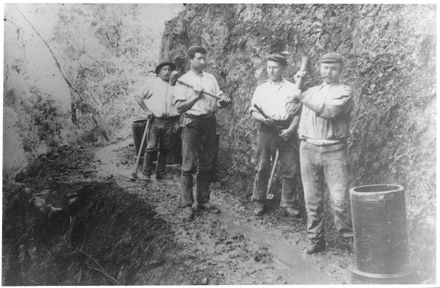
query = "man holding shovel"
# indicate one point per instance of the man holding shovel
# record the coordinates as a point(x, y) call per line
point(278, 120)
point(156, 99)
point(198, 97)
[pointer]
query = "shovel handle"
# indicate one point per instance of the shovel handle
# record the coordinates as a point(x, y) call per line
point(272, 173)
point(204, 92)
point(144, 137)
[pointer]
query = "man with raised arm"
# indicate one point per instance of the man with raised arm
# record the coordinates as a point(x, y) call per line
point(323, 130)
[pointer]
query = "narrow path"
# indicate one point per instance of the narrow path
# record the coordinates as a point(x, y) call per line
point(234, 246)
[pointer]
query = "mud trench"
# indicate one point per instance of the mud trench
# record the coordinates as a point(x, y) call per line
point(99, 227)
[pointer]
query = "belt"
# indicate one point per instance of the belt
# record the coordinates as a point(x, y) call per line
point(318, 142)
point(204, 116)
point(168, 118)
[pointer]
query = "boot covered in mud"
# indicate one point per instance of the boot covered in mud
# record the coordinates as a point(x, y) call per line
point(315, 246)
point(148, 165)
point(344, 243)
point(161, 163)
point(202, 188)
point(186, 186)
point(259, 208)
point(287, 202)
point(203, 197)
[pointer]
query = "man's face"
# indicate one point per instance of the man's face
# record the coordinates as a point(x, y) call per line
point(198, 62)
point(165, 73)
point(274, 70)
point(330, 72)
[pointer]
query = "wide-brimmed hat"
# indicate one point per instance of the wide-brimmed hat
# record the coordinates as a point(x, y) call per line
point(164, 63)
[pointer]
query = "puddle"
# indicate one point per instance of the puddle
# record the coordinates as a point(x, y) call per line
point(292, 264)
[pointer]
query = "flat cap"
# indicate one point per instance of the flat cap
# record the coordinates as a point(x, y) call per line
point(277, 58)
point(331, 57)
point(164, 63)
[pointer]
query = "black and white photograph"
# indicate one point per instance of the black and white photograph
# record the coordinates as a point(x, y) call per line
point(265, 143)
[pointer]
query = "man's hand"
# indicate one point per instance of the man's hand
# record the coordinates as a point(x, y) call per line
point(198, 89)
point(294, 96)
point(286, 133)
point(224, 101)
point(149, 115)
point(173, 77)
point(299, 75)
point(268, 121)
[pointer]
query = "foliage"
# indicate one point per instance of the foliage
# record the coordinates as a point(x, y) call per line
point(104, 51)
point(104, 46)
point(390, 64)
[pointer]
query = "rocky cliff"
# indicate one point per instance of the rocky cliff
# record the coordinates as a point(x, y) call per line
point(390, 64)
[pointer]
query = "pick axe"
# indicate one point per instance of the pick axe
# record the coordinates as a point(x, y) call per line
point(138, 158)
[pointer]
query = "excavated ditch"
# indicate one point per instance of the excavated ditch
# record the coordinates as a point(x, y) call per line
point(59, 230)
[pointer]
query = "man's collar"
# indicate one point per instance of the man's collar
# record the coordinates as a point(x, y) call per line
point(196, 74)
point(281, 82)
point(325, 84)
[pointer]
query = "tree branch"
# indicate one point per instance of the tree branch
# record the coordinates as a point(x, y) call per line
point(57, 63)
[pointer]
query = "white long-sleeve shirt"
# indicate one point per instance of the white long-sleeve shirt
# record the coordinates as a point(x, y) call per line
point(273, 99)
point(325, 113)
point(206, 105)
point(158, 96)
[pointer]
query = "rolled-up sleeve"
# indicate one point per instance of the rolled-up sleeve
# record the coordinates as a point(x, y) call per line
point(335, 102)
point(180, 93)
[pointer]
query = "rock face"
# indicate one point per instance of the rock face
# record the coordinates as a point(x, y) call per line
point(389, 55)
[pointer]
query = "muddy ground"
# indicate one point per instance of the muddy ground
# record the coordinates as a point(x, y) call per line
point(87, 223)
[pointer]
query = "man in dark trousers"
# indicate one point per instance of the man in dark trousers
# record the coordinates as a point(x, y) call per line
point(199, 130)
point(323, 130)
point(156, 99)
point(278, 121)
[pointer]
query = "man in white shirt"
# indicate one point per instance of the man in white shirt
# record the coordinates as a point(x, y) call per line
point(278, 120)
point(156, 99)
point(323, 130)
point(199, 130)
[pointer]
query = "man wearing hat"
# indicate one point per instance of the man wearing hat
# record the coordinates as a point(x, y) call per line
point(156, 99)
point(199, 130)
point(323, 130)
point(278, 121)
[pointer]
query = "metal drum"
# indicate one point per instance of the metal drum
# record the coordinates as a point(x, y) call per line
point(380, 234)
point(173, 157)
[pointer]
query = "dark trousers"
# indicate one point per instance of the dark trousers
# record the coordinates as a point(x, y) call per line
point(329, 164)
point(268, 142)
point(198, 156)
point(161, 138)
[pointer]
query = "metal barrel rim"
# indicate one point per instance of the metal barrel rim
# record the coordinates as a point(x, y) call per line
point(374, 191)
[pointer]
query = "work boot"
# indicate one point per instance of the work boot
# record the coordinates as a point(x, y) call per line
point(145, 177)
point(315, 246)
point(161, 163)
point(259, 208)
point(160, 176)
point(187, 213)
point(209, 207)
point(148, 164)
point(344, 243)
point(291, 212)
